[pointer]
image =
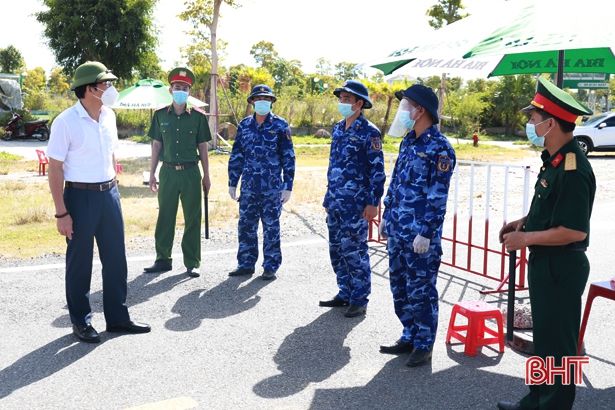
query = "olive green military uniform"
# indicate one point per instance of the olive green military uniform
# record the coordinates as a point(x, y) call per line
point(180, 179)
point(563, 196)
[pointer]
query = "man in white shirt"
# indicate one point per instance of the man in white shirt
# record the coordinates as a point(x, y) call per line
point(87, 201)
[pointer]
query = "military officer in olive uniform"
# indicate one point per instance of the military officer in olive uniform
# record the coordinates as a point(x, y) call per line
point(556, 230)
point(179, 139)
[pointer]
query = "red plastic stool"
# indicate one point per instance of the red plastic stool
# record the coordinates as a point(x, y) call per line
point(42, 161)
point(476, 312)
point(605, 289)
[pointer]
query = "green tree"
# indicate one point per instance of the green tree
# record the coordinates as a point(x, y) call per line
point(323, 66)
point(58, 83)
point(346, 71)
point(466, 109)
point(35, 94)
point(118, 33)
point(11, 60)
point(510, 94)
point(445, 12)
point(264, 54)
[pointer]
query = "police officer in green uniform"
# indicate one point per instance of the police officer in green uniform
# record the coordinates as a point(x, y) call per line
point(179, 139)
point(556, 231)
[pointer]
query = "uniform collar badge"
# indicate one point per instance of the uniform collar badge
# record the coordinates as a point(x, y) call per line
point(557, 160)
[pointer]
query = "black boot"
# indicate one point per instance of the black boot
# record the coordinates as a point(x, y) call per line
point(335, 302)
point(159, 266)
point(419, 357)
point(399, 347)
point(241, 272)
point(354, 311)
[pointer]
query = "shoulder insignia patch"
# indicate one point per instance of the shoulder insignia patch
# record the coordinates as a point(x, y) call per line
point(444, 163)
point(570, 163)
point(376, 143)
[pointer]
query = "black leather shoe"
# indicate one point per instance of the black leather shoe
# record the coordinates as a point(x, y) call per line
point(159, 266)
point(129, 327)
point(86, 333)
point(398, 348)
point(419, 357)
point(335, 302)
point(507, 405)
point(268, 275)
point(354, 311)
point(193, 272)
point(241, 272)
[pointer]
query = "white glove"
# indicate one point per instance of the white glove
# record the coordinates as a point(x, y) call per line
point(381, 232)
point(285, 196)
point(420, 244)
point(232, 191)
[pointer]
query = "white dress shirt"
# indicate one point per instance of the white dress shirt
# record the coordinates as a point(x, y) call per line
point(84, 146)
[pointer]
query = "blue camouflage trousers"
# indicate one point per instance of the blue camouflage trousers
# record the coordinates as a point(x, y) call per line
point(349, 256)
point(415, 297)
point(266, 208)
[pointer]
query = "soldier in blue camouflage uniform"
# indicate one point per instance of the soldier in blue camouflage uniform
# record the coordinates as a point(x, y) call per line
point(262, 152)
point(412, 220)
point(355, 185)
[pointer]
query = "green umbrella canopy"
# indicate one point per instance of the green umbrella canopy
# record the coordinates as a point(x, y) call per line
point(532, 36)
point(149, 94)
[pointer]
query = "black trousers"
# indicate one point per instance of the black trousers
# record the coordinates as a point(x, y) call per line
point(96, 216)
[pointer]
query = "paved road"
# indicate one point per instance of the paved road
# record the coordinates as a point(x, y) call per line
point(220, 342)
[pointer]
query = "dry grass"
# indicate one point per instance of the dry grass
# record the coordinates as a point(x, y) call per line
point(26, 209)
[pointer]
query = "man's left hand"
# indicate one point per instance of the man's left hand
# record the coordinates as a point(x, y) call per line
point(206, 184)
point(370, 212)
point(420, 244)
point(515, 240)
point(285, 196)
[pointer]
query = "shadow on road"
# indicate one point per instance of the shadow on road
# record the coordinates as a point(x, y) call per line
point(310, 354)
point(43, 362)
point(140, 290)
point(226, 299)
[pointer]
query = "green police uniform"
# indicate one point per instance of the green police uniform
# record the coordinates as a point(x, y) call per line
point(563, 196)
point(180, 177)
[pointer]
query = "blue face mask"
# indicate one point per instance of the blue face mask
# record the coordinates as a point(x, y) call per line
point(406, 119)
point(262, 107)
point(532, 136)
point(345, 109)
point(180, 97)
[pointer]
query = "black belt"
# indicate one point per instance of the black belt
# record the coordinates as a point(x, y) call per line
point(98, 186)
point(179, 167)
point(573, 247)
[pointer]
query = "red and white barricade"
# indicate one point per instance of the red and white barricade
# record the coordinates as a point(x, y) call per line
point(480, 193)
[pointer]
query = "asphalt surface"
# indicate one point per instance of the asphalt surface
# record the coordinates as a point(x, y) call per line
point(220, 342)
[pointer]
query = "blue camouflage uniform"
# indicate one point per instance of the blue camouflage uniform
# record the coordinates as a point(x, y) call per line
point(415, 204)
point(260, 155)
point(355, 179)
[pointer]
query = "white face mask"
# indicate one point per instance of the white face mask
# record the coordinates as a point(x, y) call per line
point(109, 96)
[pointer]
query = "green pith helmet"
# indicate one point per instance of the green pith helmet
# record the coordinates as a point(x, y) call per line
point(91, 72)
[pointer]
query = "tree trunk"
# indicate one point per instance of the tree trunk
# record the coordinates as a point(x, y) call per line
point(213, 95)
point(387, 114)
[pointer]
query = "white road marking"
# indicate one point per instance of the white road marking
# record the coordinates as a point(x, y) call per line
point(96, 262)
point(178, 403)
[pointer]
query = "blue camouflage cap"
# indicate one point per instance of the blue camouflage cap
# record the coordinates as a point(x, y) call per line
point(423, 96)
point(356, 88)
point(261, 89)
